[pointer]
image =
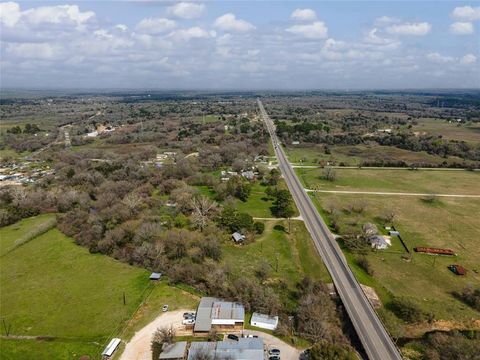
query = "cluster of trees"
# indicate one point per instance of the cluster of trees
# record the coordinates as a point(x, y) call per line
point(409, 311)
point(470, 296)
point(28, 129)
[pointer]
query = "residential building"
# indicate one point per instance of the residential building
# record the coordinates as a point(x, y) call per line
point(220, 315)
point(264, 321)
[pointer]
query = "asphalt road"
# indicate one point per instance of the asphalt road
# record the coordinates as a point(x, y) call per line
point(375, 339)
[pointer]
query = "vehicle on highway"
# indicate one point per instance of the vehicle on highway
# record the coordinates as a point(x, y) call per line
point(232, 337)
point(165, 308)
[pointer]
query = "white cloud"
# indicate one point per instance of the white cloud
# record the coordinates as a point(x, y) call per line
point(315, 30)
point(468, 59)
point(9, 13)
point(417, 29)
point(461, 28)
point(42, 51)
point(155, 25)
point(373, 38)
point(386, 20)
point(436, 57)
point(192, 33)
point(60, 14)
point(187, 10)
point(466, 13)
point(229, 22)
point(304, 15)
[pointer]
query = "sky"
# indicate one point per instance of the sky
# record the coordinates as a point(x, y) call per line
point(240, 44)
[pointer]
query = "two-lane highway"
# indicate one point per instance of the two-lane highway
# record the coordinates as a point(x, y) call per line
point(375, 339)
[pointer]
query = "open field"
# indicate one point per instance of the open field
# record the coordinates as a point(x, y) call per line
point(415, 181)
point(294, 253)
point(451, 131)
point(354, 155)
point(52, 287)
point(450, 223)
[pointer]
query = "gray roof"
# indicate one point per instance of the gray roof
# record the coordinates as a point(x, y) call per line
point(243, 349)
point(155, 276)
point(266, 319)
point(212, 308)
point(238, 237)
point(203, 348)
point(378, 240)
point(173, 351)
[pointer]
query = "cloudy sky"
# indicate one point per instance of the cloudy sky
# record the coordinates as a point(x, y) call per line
point(240, 44)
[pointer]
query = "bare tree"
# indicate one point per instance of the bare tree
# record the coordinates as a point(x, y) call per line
point(203, 209)
point(164, 335)
point(329, 173)
point(369, 230)
point(389, 215)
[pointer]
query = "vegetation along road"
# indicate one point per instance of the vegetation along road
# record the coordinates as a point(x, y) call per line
point(373, 335)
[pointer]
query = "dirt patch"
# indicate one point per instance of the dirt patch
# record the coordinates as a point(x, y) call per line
point(418, 330)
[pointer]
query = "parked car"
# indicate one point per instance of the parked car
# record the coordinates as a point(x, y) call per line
point(189, 315)
point(250, 336)
point(274, 357)
point(274, 352)
point(188, 322)
point(165, 308)
point(232, 337)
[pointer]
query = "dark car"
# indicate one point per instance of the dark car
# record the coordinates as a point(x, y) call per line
point(274, 352)
point(274, 357)
point(232, 337)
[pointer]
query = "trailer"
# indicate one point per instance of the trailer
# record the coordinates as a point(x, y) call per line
point(111, 347)
point(434, 251)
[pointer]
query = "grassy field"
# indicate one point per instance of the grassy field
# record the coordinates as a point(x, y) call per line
point(52, 287)
point(450, 223)
point(354, 155)
point(417, 181)
point(451, 131)
point(294, 253)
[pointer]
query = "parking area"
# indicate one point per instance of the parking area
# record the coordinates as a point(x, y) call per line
point(287, 352)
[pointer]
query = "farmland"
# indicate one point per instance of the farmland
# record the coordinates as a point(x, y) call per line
point(49, 285)
point(446, 222)
point(394, 180)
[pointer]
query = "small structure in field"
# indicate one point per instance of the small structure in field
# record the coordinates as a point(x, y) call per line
point(175, 351)
point(249, 175)
point(434, 251)
point(457, 269)
point(111, 347)
point(238, 238)
point(264, 321)
point(296, 142)
point(379, 242)
point(155, 276)
point(393, 233)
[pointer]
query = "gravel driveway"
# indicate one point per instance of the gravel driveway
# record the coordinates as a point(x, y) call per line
point(287, 352)
point(138, 348)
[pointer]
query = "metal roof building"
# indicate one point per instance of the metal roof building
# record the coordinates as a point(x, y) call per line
point(174, 351)
point(243, 349)
point(213, 312)
point(264, 321)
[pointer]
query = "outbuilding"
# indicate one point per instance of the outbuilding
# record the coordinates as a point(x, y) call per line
point(264, 321)
point(155, 276)
point(111, 347)
point(175, 351)
point(237, 237)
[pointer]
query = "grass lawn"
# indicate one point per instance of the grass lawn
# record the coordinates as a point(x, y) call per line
point(417, 181)
point(354, 155)
point(451, 131)
point(258, 203)
point(52, 287)
point(450, 223)
point(295, 252)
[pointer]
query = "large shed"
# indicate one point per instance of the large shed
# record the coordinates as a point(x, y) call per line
point(175, 351)
point(264, 321)
point(220, 315)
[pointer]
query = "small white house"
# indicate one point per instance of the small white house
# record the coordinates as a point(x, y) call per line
point(379, 242)
point(264, 321)
point(237, 237)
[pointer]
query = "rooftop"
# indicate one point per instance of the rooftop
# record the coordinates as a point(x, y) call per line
point(243, 349)
point(174, 351)
point(213, 309)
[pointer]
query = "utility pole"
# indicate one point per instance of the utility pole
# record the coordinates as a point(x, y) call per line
point(124, 300)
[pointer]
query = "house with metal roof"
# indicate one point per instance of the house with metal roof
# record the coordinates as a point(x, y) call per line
point(264, 321)
point(379, 242)
point(175, 351)
point(220, 315)
point(243, 349)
